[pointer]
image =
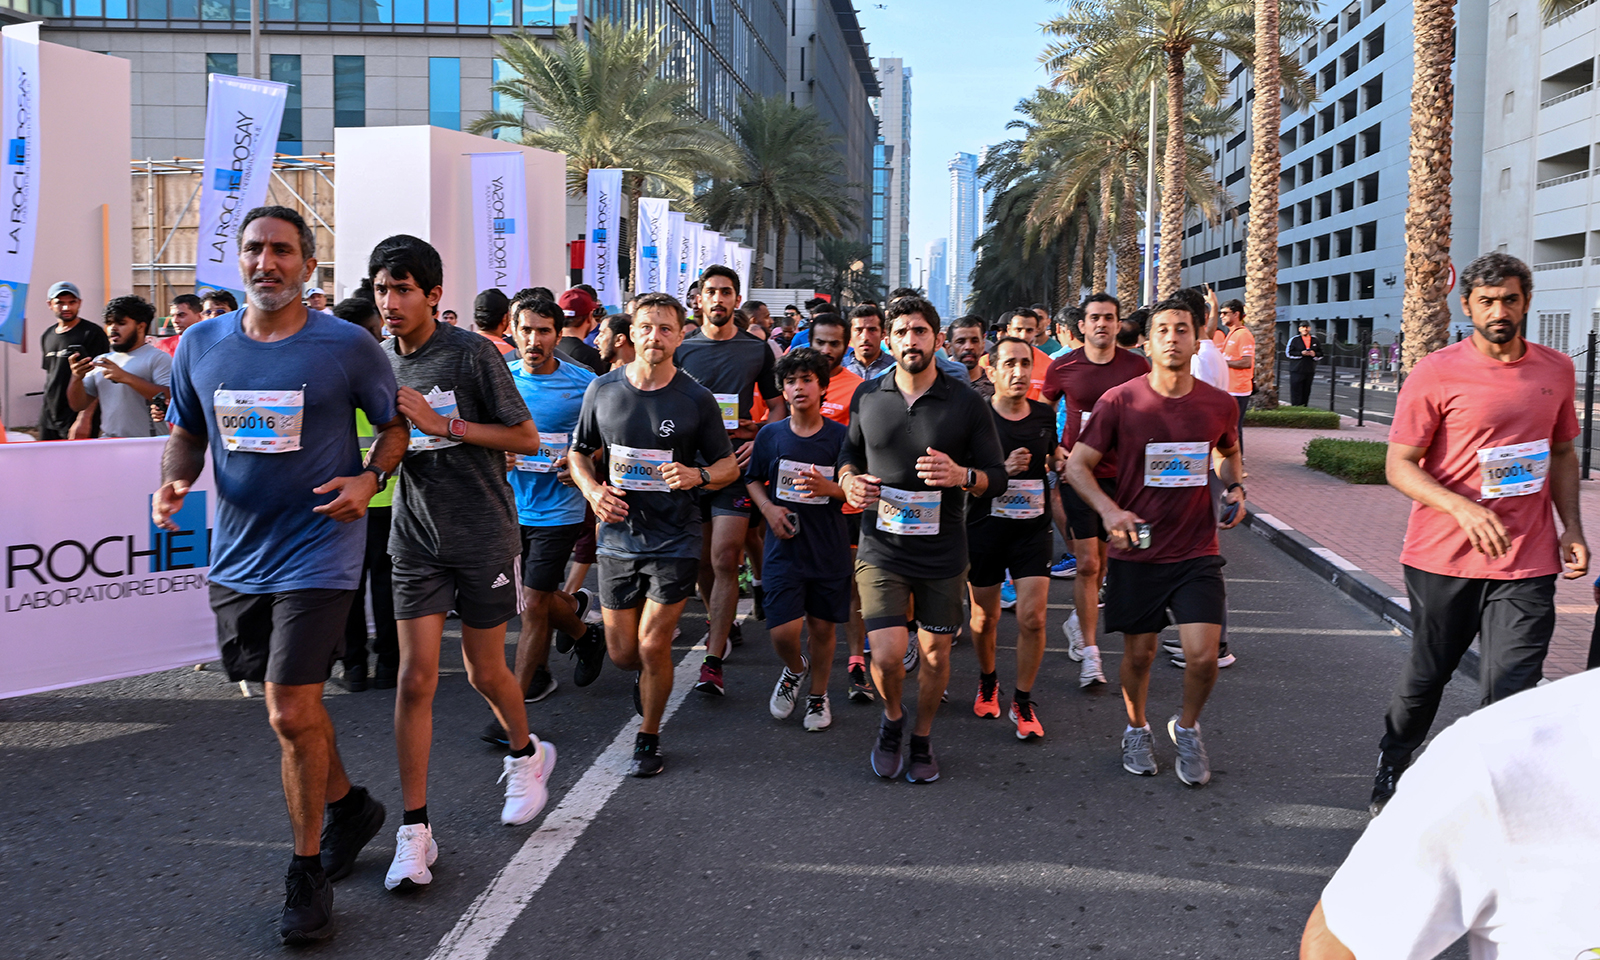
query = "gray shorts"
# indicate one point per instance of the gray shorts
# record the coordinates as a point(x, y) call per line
point(485, 596)
point(626, 583)
point(292, 638)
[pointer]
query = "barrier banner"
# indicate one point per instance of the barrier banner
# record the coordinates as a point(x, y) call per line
point(654, 225)
point(19, 118)
point(602, 227)
point(710, 246)
point(499, 240)
point(93, 590)
point(693, 262)
point(741, 256)
point(678, 234)
point(242, 119)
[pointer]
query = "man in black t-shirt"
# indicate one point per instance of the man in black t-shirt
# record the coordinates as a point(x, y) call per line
point(579, 312)
point(1011, 532)
point(660, 436)
point(70, 336)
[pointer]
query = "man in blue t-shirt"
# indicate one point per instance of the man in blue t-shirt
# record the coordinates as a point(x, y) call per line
point(273, 390)
point(807, 560)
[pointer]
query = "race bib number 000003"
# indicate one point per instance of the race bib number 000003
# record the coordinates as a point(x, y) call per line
point(912, 513)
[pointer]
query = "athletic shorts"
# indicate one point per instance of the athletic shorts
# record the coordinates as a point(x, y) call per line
point(1146, 597)
point(786, 600)
point(544, 554)
point(626, 582)
point(853, 521)
point(1083, 521)
point(291, 638)
point(994, 548)
point(484, 596)
point(731, 501)
point(583, 550)
point(886, 599)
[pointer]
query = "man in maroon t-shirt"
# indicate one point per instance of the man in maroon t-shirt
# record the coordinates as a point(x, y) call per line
point(1082, 377)
point(1163, 553)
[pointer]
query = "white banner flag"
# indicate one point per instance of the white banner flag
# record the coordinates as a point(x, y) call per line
point(678, 234)
point(692, 259)
point(19, 118)
point(499, 224)
point(741, 265)
point(602, 227)
point(710, 246)
point(242, 118)
point(654, 228)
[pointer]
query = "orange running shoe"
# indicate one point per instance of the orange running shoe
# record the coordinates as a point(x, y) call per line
point(1028, 727)
point(987, 703)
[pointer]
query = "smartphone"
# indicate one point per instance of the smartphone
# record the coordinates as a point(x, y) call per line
point(1229, 511)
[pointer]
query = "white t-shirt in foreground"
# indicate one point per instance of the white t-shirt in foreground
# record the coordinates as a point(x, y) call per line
point(1494, 833)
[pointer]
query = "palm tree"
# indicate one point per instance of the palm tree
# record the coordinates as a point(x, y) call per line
point(843, 269)
point(1425, 310)
point(793, 176)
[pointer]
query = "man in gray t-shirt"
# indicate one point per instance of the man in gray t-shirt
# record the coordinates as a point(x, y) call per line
point(127, 379)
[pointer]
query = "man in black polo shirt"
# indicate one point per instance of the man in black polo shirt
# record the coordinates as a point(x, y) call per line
point(918, 445)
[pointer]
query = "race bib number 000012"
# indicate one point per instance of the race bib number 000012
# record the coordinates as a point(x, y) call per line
point(1176, 464)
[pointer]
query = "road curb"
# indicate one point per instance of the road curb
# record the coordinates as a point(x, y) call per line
point(1349, 579)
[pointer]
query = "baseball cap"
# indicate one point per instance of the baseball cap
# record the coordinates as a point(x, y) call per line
point(63, 286)
point(312, 289)
point(576, 303)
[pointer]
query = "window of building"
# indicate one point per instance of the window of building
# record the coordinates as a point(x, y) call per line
point(1346, 195)
point(1511, 25)
point(444, 92)
point(1308, 131)
point(1347, 152)
point(1366, 285)
point(1372, 92)
point(1554, 329)
point(1509, 104)
point(500, 103)
point(1341, 287)
point(1352, 17)
point(1325, 162)
point(285, 68)
point(1368, 188)
point(1308, 172)
point(1348, 106)
point(1326, 120)
point(548, 13)
point(1286, 143)
point(349, 91)
point(1367, 237)
point(1330, 35)
point(226, 64)
point(1330, 76)
point(1285, 257)
point(1341, 243)
point(1374, 43)
point(1302, 292)
point(1371, 140)
point(1505, 179)
point(1302, 252)
point(1352, 61)
point(1286, 182)
point(1322, 248)
point(1305, 212)
point(1374, 5)
point(1325, 205)
point(1319, 290)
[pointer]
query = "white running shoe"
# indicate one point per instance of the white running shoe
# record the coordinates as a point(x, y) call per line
point(414, 852)
point(913, 657)
point(591, 610)
point(787, 692)
point(1074, 635)
point(819, 716)
point(527, 781)
point(1091, 673)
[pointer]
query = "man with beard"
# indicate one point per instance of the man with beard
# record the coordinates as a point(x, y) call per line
point(966, 339)
point(867, 358)
point(128, 378)
point(68, 338)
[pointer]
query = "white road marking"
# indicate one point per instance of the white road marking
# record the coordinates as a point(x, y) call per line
point(509, 893)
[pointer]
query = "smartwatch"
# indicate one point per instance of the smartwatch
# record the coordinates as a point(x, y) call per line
point(382, 475)
point(705, 478)
point(457, 428)
point(972, 479)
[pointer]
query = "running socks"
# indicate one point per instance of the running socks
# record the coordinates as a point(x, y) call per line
point(714, 660)
point(419, 815)
point(1019, 697)
point(311, 865)
point(350, 803)
point(921, 745)
point(988, 681)
point(529, 750)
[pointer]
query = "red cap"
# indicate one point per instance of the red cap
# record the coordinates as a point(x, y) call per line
point(576, 303)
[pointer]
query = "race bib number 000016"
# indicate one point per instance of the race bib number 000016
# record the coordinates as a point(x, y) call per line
point(259, 421)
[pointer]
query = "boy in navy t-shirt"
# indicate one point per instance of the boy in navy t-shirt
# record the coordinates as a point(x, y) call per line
point(807, 562)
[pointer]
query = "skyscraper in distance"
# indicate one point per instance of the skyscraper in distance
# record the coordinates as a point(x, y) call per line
point(938, 277)
point(964, 227)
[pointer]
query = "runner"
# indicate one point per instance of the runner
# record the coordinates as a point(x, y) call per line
point(966, 338)
point(1022, 325)
point(1008, 535)
point(1162, 428)
point(215, 303)
point(614, 342)
point(790, 478)
point(272, 391)
point(733, 365)
point(186, 312)
point(1482, 441)
point(867, 358)
point(918, 444)
point(1081, 378)
point(454, 538)
point(649, 534)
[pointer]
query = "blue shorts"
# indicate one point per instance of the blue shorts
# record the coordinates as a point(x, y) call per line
point(786, 600)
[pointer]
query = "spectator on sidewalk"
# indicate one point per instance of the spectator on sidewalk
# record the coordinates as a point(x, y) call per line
point(581, 313)
point(1303, 352)
point(125, 379)
point(1482, 441)
point(59, 345)
point(449, 316)
point(1240, 352)
point(316, 299)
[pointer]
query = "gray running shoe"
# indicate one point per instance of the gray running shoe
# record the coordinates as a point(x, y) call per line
point(887, 760)
point(1138, 753)
point(1193, 766)
point(786, 693)
point(923, 768)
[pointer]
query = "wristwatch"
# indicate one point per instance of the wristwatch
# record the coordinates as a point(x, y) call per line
point(457, 428)
point(972, 479)
point(705, 477)
point(382, 475)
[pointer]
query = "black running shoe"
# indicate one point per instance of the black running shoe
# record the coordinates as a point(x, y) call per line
point(565, 641)
point(542, 685)
point(735, 635)
point(307, 907)
point(591, 656)
point(647, 760)
point(495, 734)
point(1385, 781)
point(344, 836)
point(384, 678)
point(355, 677)
point(759, 597)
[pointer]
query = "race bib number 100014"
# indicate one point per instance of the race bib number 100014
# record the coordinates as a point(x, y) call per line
point(912, 513)
point(259, 421)
point(637, 468)
point(1513, 471)
point(1176, 464)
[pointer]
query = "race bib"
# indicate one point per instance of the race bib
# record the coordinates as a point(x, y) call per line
point(912, 513)
point(552, 447)
point(728, 403)
point(1513, 471)
point(259, 421)
point(789, 473)
point(636, 468)
point(1023, 500)
point(1176, 464)
point(1083, 420)
point(444, 403)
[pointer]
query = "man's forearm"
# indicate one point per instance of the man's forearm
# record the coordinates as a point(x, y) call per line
point(148, 389)
point(389, 447)
point(1564, 488)
point(1409, 478)
point(582, 468)
point(1081, 477)
point(183, 457)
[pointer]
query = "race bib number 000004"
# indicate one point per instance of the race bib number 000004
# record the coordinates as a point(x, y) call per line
point(1023, 500)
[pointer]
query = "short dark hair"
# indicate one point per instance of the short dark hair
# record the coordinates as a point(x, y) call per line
point(753, 305)
point(994, 349)
point(408, 258)
point(1140, 319)
point(801, 360)
point(591, 291)
point(1302, 323)
point(1237, 306)
point(831, 320)
point(719, 270)
point(909, 305)
point(1072, 318)
point(538, 306)
point(355, 309)
point(137, 309)
point(188, 300)
point(1179, 302)
point(789, 306)
point(616, 324)
point(1101, 297)
point(1005, 319)
point(308, 239)
point(220, 296)
point(970, 320)
point(1196, 303)
point(869, 310)
point(490, 308)
point(1493, 270)
point(741, 319)
point(661, 300)
point(534, 293)
point(816, 302)
point(899, 292)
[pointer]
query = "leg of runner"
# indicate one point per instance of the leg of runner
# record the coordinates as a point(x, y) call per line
point(726, 553)
point(985, 619)
point(1200, 671)
point(786, 644)
point(1033, 598)
point(932, 677)
point(420, 640)
point(755, 550)
point(855, 638)
point(541, 612)
point(889, 669)
point(312, 772)
point(575, 578)
point(824, 639)
point(527, 767)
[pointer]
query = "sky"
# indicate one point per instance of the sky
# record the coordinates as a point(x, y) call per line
point(970, 62)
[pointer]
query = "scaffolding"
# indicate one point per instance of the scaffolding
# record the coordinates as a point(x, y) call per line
point(166, 217)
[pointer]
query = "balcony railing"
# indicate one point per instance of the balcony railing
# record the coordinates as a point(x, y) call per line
point(1581, 174)
point(1566, 12)
point(1559, 264)
point(1569, 94)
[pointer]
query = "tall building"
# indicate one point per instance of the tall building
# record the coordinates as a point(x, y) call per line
point(964, 228)
point(892, 164)
point(938, 279)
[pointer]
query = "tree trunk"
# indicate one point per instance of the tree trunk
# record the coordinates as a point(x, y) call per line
point(1425, 312)
point(782, 248)
point(1261, 242)
point(1079, 249)
point(1102, 234)
point(1173, 191)
point(759, 273)
point(1068, 263)
point(1128, 274)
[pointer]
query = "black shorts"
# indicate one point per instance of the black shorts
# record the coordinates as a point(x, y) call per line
point(853, 521)
point(291, 638)
point(731, 501)
point(1146, 597)
point(786, 600)
point(544, 554)
point(583, 550)
point(1083, 521)
point(626, 582)
point(484, 596)
point(995, 546)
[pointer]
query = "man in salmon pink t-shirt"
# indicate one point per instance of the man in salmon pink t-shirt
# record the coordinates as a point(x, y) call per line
point(1482, 441)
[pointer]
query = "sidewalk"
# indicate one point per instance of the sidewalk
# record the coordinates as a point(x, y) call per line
point(1358, 528)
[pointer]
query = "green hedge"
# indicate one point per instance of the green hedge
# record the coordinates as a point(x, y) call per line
point(1353, 461)
point(1305, 418)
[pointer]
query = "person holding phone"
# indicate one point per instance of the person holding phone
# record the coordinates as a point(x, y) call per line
point(58, 345)
point(127, 379)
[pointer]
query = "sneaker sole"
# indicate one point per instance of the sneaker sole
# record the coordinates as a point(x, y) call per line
point(900, 768)
point(860, 696)
point(1222, 662)
point(1141, 773)
point(710, 689)
point(1177, 767)
point(549, 765)
point(645, 774)
point(909, 778)
point(545, 694)
point(1029, 735)
point(497, 741)
point(406, 885)
point(1085, 683)
point(296, 937)
point(986, 715)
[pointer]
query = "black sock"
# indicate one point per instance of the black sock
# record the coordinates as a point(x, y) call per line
point(311, 864)
point(713, 660)
point(351, 802)
point(527, 751)
point(646, 743)
point(920, 745)
point(419, 815)
point(989, 680)
point(1019, 697)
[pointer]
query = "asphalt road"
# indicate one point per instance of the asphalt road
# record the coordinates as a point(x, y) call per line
point(144, 817)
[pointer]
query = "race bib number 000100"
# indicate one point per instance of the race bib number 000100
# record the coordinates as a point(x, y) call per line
point(259, 421)
point(912, 513)
point(638, 468)
point(789, 472)
point(1176, 464)
point(728, 403)
point(552, 447)
point(1513, 471)
point(1023, 500)
point(444, 403)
